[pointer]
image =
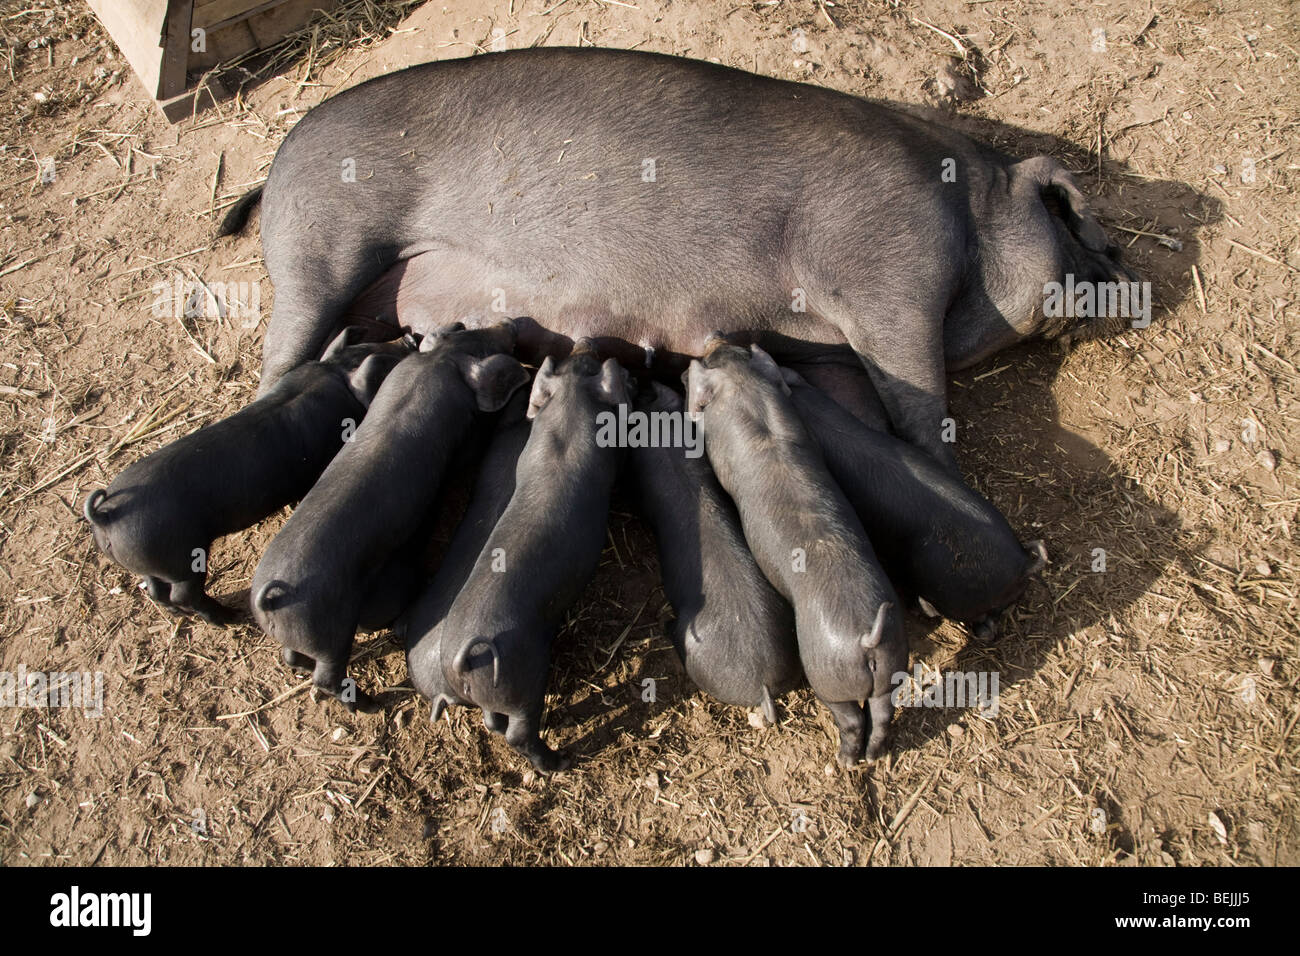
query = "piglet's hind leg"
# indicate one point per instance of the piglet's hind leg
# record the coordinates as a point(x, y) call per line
point(331, 677)
point(190, 596)
point(522, 735)
point(881, 710)
point(852, 725)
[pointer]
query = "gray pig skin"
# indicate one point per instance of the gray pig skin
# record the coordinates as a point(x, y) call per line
point(159, 517)
point(634, 197)
point(422, 625)
point(312, 583)
point(496, 639)
point(805, 536)
point(939, 539)
point(733, 632)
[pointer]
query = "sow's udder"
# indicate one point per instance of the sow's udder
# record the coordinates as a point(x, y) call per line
point(431, 290)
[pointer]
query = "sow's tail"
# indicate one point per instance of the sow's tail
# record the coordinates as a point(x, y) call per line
point(238, 215)
point(90, 508)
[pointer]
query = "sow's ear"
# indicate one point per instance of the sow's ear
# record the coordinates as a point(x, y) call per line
point(367, 377)
point(612, 386)
point(348, 336)
point(493, 379)
point(544, 386)
point(766, 366)
point(701, 386)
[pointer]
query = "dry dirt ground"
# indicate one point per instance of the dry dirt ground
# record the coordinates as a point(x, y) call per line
point(1147, 712)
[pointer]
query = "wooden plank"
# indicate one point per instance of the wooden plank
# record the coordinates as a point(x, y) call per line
point(260, 28)
point(219, 13)
point(137, 27)
point(180, 108)
point(176, 50)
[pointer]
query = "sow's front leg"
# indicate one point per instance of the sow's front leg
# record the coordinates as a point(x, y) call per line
point(909, 375)
point(895, 325)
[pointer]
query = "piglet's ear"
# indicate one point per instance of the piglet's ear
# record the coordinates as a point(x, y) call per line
point(544, 385)
point(612, 387)
point(348, 336)
point(493, 379)
point(701, 386)
point(367, 377)
point(766, 366)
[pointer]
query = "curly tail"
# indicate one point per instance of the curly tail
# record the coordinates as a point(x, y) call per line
point(88, 509)
point(878, 629)
point(1037, 553)
point(263, 594)
point(238, 215)
point(461, 662)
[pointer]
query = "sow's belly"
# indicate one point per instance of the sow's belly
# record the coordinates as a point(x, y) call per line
point(645, 325)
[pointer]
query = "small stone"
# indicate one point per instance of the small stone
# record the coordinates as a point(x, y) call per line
point(956, 730)
point(756, 720)
point(1220, 169)
point(829, 770)
point(652, 780)
point(1266, 665)
point(1194, 397)
point(339, 734)
point(1266, 460)
point(32, 799)
point(1222, 445)
point(704, 856)
point(798, 64)
point(600, 847)
point(328, 816)
point(1263, 569)
point(529, 778)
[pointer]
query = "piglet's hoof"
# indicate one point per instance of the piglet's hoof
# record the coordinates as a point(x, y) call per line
point(298, 662)
point(361, 701)
point(218, 615)
point(550, 761)
point(848, 756)
point(350, 696)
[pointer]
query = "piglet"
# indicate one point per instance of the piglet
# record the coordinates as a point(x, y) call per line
point(160, 516)
point(733, 632)
point(311, 585)
point(496, 639)
point(939, 539)
point(806, 538)
point(422, 625)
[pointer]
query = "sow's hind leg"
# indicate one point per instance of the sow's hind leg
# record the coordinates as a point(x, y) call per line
point(305, 315)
